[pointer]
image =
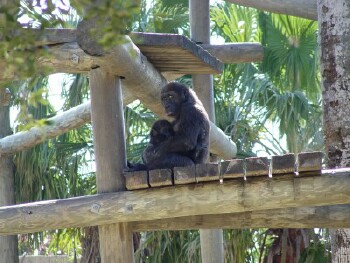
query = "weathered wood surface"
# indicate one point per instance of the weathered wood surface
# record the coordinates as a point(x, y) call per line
point(283, 164)
point(8, 244)
point(185, 175)
point(176, 54)
point(309, 161)
point(256, 166)
point(160, 177)
point(136, 180)
point(232, 169)
point(207, 172)
point(107, 118)
point(230, 53)
point(303, 217)
point(302, 8)
point(233, 196)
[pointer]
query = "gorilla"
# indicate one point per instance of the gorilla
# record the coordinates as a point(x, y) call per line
point(182, 142)
point(190, 123)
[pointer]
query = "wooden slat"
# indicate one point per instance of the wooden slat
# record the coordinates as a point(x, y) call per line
point(283, 164)
point(257, 166)
point(207, 172)
point(184, 175)
point(160, 177)
point(136, 180)
point(309, 161)
point(232, 169)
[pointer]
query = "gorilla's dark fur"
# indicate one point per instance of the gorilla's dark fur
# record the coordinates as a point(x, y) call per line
point(185, 140)
point(190, 123)
point(160, 132)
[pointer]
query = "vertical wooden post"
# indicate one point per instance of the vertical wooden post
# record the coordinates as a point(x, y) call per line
point(212, 244)
point(8, 244)
point(109, 143)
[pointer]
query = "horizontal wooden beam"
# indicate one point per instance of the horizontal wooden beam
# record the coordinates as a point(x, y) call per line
point(234, 196)
point(230, 53)
point(336, 216)
point(302, 8)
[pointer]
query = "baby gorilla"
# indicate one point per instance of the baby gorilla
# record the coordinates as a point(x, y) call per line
point(160, 132)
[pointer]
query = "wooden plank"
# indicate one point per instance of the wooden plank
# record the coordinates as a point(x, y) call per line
point(160, 177)
point(310, 161)
point(256, 166)
point(232, 169)
point(184, 175)
point(335, 216)
point(136, 180)
point(207, 172)
point(283, 164)
point(234, 196)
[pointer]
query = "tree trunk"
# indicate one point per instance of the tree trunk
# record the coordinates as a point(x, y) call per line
point(334, 30)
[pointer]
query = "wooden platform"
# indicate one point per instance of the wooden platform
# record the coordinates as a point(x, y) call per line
point(176, 54)
point(169, 53)
point(279, 165)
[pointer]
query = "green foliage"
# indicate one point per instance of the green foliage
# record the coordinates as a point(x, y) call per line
point(112, 19)
point(291, 53)
point(162, 18)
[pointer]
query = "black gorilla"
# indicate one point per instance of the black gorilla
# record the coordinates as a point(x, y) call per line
point(190, 124)
point(160, 131)
point(184, 141)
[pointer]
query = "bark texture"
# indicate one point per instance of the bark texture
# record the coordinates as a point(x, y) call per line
point(334, 28)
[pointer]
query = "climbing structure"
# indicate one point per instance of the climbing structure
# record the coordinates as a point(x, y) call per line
point(230, 194)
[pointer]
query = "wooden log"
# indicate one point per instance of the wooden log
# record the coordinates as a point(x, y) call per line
point(136, 180)
point(234, 196)
point(160, 177)
point(8, 244)
point(184, 175)
point(306, 9)
point(110, 155)
point(232, 169)
point(310, 161)
point(257, 166)
point(207, 172)
point(301, 217)
point(283, 164)
point(59, 124)
point(230, 53)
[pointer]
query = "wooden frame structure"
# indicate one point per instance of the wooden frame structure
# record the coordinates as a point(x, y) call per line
point(313, 200)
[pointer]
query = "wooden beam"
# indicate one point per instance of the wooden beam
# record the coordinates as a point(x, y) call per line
point(110, 155)
point(59, 124)
point(230, 53)
point(9, 244)
point(302, 8)
point(234, 196)
point(301, 217)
